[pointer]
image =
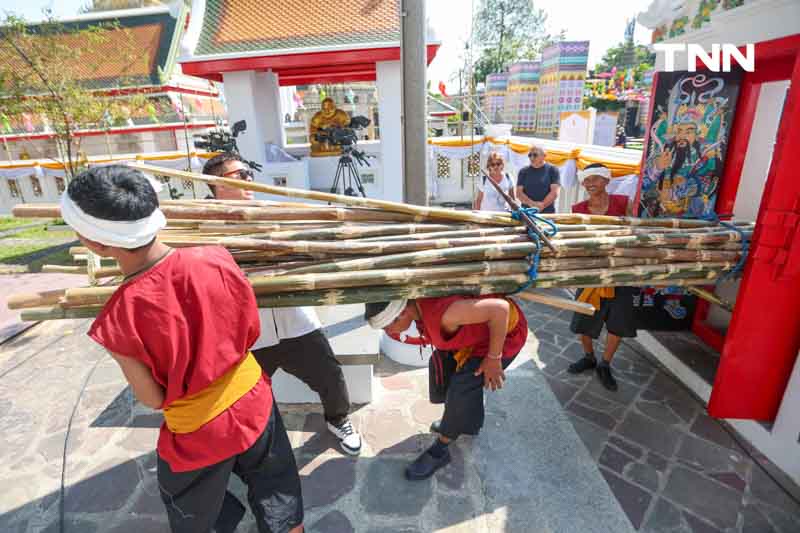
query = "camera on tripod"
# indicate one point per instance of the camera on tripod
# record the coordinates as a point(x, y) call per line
point(346, 138)
point(221, 141)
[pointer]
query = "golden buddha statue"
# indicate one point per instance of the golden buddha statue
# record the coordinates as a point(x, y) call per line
point(328, 117)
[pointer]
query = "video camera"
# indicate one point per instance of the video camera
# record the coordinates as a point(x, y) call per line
point(222, 141)
point(346, 137)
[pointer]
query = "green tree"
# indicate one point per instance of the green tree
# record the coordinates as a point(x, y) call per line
point(616, 56)
point(506, 31)
point(54, 73)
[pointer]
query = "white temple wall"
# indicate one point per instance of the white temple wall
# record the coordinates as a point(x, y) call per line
point(242, 93)
point(389, 83)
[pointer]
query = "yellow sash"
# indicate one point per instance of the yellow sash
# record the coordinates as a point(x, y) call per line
point(190, 413)
point(594, 294)
point(463, 354)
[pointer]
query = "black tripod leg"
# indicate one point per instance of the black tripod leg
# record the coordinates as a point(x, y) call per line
point(336, 178)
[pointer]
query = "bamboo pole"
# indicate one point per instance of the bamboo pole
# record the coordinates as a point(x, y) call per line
point(463, 274)
point(557, 302)
point(479, 217)
point(395, 207)
point(245, 214)
point(356, 232)
point(711, 298)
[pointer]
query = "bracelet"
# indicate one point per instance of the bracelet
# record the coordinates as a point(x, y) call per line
point(499, 356)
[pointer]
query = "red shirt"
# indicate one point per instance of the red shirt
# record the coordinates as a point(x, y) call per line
point(475, 335)
point(617, 206)
point(191, 318)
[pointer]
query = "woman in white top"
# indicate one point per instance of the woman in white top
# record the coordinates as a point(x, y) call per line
point(488, 199)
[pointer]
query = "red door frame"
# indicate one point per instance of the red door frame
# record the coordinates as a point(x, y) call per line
point(763, 338)
point(775, 60)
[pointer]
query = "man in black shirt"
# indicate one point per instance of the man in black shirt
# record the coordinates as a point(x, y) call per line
point(539, 183)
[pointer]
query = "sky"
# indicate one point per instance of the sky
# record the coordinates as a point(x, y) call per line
point(602, 23)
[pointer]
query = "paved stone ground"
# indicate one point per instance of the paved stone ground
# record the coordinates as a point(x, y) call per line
point(672, 467)
point(537, 478)
point(646, 458)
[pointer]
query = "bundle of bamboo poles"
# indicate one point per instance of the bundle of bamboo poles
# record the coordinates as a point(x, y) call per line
point(373, 250)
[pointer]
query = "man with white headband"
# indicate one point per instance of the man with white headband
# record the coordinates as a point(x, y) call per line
point(613, 305)
point(474, 340)
point(180, 326)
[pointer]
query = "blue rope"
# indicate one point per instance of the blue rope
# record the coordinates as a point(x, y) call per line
point(739, 266)
point(549, 230)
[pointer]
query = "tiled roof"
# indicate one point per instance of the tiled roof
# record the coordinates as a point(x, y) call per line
point(231, 26)
point(152, 35)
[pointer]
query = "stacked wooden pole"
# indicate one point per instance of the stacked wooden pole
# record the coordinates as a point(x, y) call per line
point(373, 250)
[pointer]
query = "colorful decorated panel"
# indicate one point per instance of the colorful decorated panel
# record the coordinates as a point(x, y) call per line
point(521, 99)
point(690, 125)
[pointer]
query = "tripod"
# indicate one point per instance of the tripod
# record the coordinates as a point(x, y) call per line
point(347, 173)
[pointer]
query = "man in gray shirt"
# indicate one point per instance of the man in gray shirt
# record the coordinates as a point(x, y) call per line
point(539, 183)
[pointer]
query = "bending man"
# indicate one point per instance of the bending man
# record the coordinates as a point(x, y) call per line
point(475, 339)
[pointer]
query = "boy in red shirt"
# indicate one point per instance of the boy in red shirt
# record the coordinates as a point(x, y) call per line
point(164, 327)
point(475, 339)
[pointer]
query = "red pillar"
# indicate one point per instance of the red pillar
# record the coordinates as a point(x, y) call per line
point(764, 335)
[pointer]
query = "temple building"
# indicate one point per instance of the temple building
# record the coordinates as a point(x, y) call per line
point(178, 107)
point(256, 48)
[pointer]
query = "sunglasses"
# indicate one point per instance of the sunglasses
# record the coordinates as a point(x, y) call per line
point(534, 154)
point(242, 174)
point(495, 165)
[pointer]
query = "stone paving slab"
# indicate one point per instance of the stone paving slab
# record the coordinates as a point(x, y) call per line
point(671, 466)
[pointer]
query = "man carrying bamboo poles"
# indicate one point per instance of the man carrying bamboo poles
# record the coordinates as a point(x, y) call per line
point(291, 337)
point(474, 340)
point(180, 326)
point(613, 305)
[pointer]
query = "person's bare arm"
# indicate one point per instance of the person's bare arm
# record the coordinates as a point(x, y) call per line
point(146, 389)
point(551, 196)
point(494, 313)
point(629, 208)
point(476, 204)
point(525, 199)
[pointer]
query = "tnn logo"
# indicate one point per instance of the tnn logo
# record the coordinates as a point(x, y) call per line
point(719, 60)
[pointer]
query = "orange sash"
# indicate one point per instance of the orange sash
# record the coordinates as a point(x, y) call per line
point(190, 413)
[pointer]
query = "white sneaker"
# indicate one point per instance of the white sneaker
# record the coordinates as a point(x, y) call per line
point(349, 440)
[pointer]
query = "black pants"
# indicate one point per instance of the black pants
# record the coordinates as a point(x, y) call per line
point(616, 313)
point(310, 359)
point(463, 404)
point(198, 501)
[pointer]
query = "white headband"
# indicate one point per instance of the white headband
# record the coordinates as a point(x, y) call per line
point(118, 233)
point(603, 172)
point(387, 316)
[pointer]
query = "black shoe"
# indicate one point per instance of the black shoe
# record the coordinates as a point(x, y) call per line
point(608, 381)
point(425, 465)
point(586, 362)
